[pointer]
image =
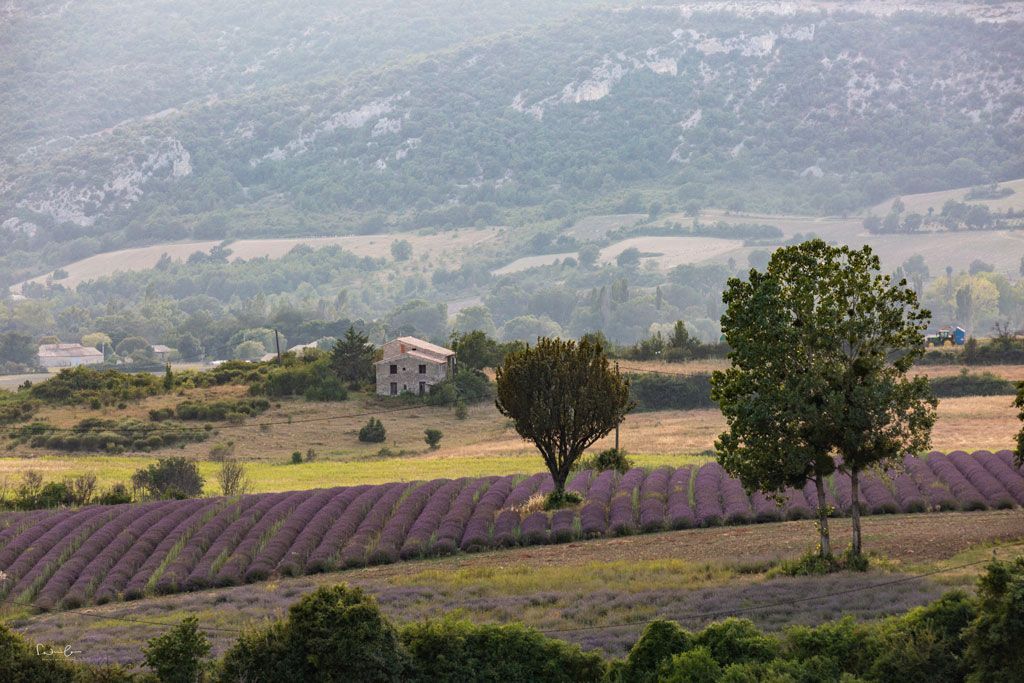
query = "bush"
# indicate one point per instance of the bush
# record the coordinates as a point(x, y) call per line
point(219, 410)
point(658, 643)
point(177, 656)
point(333, 634)
point(16, 410)
point(451, 650)
point(971, 384)
point(461, 412)
point(174, 477)
point(83, 386)
point(372, 432)
point(611, 459)
point(296, 457)
point(557, 500)
point(994, 637)
point(737, 641)
point(666, 392)
point(117, 494)
point(433, 438)
point(692, 666)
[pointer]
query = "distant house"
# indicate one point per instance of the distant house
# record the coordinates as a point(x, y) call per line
point(413, 365)
point(68, 355)
point(162, 353)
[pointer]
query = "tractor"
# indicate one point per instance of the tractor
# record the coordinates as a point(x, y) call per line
point(947, 336)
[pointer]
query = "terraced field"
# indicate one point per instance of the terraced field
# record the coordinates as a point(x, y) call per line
point(100, 554)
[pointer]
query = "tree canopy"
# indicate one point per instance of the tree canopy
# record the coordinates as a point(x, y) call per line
point(821, 344)
point(563, 397)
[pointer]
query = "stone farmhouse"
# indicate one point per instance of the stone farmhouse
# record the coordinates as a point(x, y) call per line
point(68, 355)
point(413, 365)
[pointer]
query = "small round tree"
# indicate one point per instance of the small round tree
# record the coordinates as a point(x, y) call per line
point(563, 397)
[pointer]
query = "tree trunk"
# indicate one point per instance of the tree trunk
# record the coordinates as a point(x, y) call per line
point(826, 541)
point(855, 510)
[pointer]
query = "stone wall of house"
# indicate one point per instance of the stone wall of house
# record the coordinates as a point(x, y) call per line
point(408, 376)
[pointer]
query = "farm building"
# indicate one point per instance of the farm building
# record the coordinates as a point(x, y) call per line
point(413, 365)
point(68, 355)
point(162, 353)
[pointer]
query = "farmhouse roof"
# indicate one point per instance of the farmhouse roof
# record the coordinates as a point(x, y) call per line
point(68, 351)
point(409, 345)
point(429, 357)
point(160, 348)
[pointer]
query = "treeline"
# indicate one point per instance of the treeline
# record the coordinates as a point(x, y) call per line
point(339, 633)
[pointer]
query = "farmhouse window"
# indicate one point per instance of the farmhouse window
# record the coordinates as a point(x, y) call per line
point(423, 369)
point(394, 369)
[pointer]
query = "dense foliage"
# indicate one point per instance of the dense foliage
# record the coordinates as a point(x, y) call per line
point(163, 547)
point(562, 396)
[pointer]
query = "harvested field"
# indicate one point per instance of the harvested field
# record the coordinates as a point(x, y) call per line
point(597, 584)
point(672, 251)
point(919, 203)
point(448, 243)
point(99, 554)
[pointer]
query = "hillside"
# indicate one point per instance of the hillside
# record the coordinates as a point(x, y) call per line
point(485, 119)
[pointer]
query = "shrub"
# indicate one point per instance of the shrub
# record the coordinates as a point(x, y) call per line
point(433, 438)
point(177, 656)
point(16, 410)
point(658, 643)
point(925, 644)
point(19, 662)
point(461, 412)
point(220, 451)
point(667, 392)
point(610, 459)
point(161, 414)
point(451, 650)
point(173, 477)
point(333, 634)
point(296, 457)
point(560, 499)
point(971, 384)
point(690, 667)
point(311, 455)
point(372, 432)
point(737, 641)
point(220, 410)
point(994, 637)
point(117, 494)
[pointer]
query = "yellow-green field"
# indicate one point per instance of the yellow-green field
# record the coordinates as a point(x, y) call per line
point(271, 476)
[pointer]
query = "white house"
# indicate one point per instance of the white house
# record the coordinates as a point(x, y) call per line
point(413, 365)
point(68, 355)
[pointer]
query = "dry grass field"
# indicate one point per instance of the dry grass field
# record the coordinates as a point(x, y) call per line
point(672, 251)
point(450, 244)
point(1010, 372)
point(920, 203)
point(482, 444)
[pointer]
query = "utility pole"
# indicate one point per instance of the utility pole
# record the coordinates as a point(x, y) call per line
point(277, 343)
point(616, 424)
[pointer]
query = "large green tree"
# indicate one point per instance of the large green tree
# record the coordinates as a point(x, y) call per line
point(821, 345)
point(352, 357)
point(563, 397)
point(875, 328)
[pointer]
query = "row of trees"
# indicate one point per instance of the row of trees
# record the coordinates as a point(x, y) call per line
point(821, 343)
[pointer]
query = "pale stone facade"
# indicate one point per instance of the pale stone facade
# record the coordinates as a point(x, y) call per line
point(412, 365)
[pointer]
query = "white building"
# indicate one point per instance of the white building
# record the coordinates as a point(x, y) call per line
point(68, 355)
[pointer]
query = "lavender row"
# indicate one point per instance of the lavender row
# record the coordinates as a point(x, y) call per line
point(127, 551)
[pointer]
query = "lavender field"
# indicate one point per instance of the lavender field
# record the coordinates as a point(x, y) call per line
point(98, 554)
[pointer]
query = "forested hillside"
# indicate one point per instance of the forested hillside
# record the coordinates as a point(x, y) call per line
point(147, 123)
